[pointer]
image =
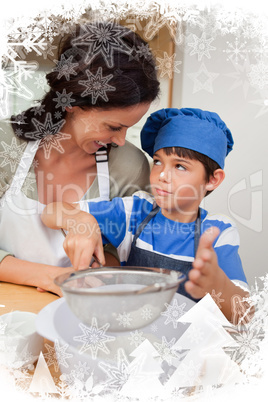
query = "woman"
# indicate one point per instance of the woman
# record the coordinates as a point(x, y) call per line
point(69, 147)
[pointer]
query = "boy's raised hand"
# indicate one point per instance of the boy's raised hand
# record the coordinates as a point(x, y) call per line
point(206, 274)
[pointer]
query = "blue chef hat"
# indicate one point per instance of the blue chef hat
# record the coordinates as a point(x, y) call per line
point(193, 129)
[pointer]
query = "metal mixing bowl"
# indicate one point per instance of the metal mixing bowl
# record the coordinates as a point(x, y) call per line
point(121, 299)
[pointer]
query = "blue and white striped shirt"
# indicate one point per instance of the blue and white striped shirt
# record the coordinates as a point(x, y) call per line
point(119, 219)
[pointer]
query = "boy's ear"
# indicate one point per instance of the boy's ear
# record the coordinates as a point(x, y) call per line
point(215, 180)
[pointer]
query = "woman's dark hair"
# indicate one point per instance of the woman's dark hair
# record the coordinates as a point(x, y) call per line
point(100, 65)
point(209, 165)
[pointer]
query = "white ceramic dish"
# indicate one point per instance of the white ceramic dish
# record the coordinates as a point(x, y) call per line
point(94, 346)
point(20, 344)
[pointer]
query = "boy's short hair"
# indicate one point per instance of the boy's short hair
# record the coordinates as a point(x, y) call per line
point(209, 165)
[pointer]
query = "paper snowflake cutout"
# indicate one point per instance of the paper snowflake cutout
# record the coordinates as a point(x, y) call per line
point(57, 355)
point(201, 46)
point(118, 375)
point(94, 338)
point(136, 338)
point(203, 79)
point(124, 319)
point(103, 38)
point(168, 65)
point(13, 154)
point(65, 67)
point(166, 351)
point(97, 85)
point(173, 312)
point(63, 100)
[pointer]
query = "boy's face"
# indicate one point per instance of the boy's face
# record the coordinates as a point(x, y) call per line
point(178, 185)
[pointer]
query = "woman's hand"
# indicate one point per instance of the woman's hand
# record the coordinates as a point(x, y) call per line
point(83, 238)
point(83, 241)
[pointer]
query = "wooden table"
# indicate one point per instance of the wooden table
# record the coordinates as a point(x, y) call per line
point(26, 298)
point(23, 298)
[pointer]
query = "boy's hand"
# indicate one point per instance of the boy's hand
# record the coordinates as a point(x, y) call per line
point(83, 240)
point(206, 274)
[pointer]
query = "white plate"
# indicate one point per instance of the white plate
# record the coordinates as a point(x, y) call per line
point(78, 344)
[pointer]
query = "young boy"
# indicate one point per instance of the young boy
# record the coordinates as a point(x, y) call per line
point(163, 229)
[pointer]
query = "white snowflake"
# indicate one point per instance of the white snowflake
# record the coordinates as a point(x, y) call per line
point(40, 81)
point(124, 319)
point(168, 65)
point(119, 374)
point(236, 51)
point(157, 21)
point(63, 100)
point(94, 338)
point(146, 313)
point(154, 327)
point(65, 67)
point(103, 38)
point(203, 79)
point(53, 142)
point(3, 326)
point(201, 46)
point(18, 132)
point(166, 351)
point(57, 355)
point(44, 129)
point(20, 118)
point(96, 85)
point(240, 77)
point(48, 50)
point(195, 334)
point(190, 373)
point(3, 175)
point(80, 372)
point(258, 75)
point(58, 115)
point(20, 180)
point(145, 51)
point(173, 312)
point(13, 154)
point(136, 338)
point(38, 110)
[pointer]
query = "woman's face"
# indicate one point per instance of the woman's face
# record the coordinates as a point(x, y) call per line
point(94, 128)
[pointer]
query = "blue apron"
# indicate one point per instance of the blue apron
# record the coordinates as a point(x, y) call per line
point(144, 258)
